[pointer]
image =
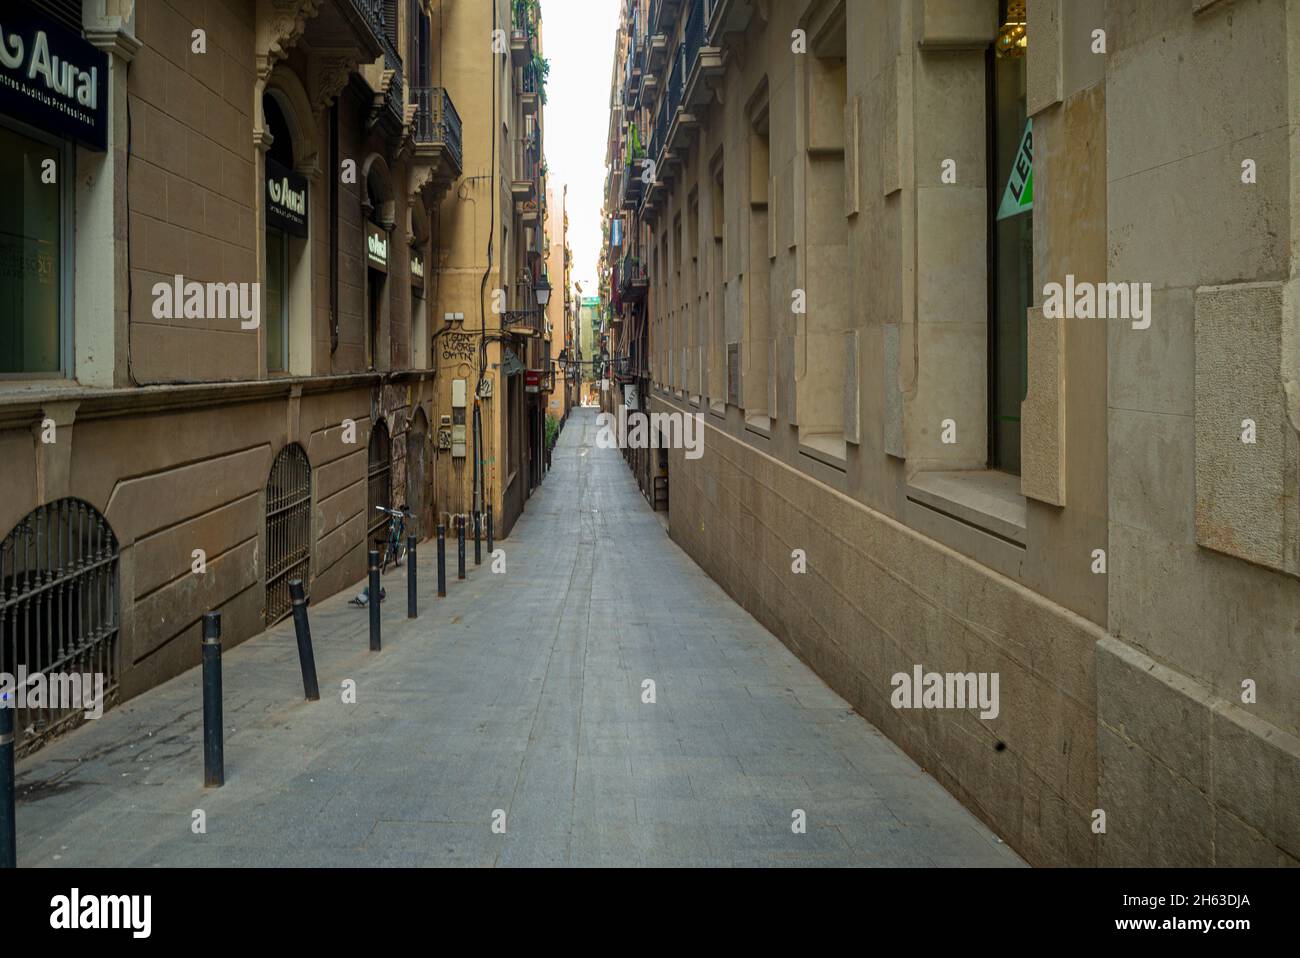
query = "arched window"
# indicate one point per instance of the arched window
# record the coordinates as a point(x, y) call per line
point(59, 612)
point(288, 529)
point(291, 160)
point(379, 489)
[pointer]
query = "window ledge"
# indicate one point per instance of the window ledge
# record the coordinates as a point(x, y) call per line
point(829, 449)
point(988, 500)
point(759, 424)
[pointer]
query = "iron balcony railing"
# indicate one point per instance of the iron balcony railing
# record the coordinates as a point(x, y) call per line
point(436, 120)
point(372, 12)
point(661, 132)
point(675, 80)
point(631, 278)
point(694, 38)
point(633, 187)
point(527, 159)
point(524, 313)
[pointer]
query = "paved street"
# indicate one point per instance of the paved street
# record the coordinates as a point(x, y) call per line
point(521, 693)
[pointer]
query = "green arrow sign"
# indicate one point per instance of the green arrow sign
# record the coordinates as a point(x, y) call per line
point(1019, 195)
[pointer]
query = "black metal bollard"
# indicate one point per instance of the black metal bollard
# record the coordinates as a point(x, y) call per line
point(214, 759)
point(306, 658)
point(442, 561)
point(8, 809)
point(489, 528)
point(411, 611)
point(460, 547)
point(478, 538)
point(374, 592)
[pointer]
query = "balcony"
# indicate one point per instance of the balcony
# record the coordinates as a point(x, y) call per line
point(530, 90)
point(345, 27)
point(663, 15)
point(681, 122)
point(521, 44)
point(632, 280)
point(437, 135)
point(633, 187)
point(521, 48)
point(636, 70)
point(703, 64)
point(729, 16)
point(384, 77)
point(527, 169)
point(525, 318)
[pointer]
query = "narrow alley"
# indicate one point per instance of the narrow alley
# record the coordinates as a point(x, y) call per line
point(506, 726)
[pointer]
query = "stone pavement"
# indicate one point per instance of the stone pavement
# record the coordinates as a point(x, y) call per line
point(521, 693)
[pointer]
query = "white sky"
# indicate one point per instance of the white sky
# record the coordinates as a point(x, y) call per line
point(579, 42)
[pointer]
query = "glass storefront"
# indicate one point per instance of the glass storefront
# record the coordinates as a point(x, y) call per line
point(1011, 238)
point(32, 338)
point(277, 301)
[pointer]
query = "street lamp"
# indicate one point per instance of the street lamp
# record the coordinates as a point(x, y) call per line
point(543, 291)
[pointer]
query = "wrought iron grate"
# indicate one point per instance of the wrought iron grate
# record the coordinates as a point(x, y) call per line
point(59, 609)
point(288, 529)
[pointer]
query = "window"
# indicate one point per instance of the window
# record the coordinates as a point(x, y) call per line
point(1011, 237)
point(819, 366)
point(35, 255)
point(59, 607)
point(288, 529)
point(759, 398)
point(277, 301)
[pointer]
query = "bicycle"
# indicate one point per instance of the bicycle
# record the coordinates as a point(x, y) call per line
point(394, 549)
point(395, 544)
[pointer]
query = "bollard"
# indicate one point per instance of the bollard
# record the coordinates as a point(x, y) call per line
point(478, 538)
point(8, 809)
point(306, 658)
point(214, 760)
point(411, 612)
point(460, 547)
point(373, 600)
point(489, 529)
point(442, 561)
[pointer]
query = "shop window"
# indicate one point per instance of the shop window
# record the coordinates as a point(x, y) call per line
point(35, 255)
point(1011, 237)
point(285, 297)
point(277, 301)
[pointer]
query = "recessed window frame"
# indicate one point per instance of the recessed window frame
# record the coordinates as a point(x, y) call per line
point(67, 173)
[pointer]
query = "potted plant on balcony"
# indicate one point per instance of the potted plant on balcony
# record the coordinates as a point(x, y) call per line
point(541, 71)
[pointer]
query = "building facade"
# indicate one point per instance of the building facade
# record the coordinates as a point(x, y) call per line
point(241, 269)
point(991, 323)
